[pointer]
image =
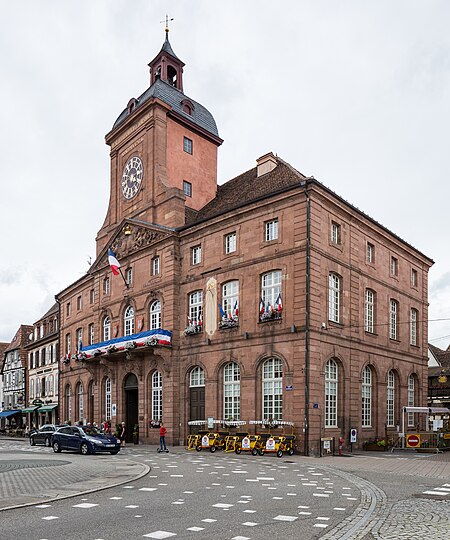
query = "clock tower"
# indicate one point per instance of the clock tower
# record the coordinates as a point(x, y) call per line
point(163, 152)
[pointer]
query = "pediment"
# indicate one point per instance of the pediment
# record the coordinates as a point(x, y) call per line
point(129, 237)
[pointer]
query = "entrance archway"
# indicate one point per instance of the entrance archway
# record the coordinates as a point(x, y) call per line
point(131, 404)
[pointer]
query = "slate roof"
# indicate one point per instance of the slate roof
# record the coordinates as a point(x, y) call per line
point(443, 357)
point(168, 49)
point(248, 187)
point(173, 97)
point(51, 311)
point(20, 339)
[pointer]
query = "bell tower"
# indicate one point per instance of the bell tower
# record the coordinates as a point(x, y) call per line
point(166, 66)
point(163, 152)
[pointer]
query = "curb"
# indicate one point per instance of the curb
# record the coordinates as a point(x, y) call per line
point(146, 470)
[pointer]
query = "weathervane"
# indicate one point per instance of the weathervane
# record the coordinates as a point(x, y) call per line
point(166, 29)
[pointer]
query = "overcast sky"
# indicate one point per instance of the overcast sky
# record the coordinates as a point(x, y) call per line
point(355, 92)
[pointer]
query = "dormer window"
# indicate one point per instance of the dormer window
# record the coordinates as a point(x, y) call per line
point(131, 105)
point(187, 106)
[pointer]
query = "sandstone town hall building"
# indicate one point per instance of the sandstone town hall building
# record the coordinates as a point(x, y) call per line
point(267, 297)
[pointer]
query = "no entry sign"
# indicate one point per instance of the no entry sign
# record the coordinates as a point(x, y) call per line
point(413, 441)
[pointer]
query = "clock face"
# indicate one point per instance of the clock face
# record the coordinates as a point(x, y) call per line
point(133, 173)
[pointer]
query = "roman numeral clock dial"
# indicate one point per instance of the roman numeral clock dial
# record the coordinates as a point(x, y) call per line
point(133, 173)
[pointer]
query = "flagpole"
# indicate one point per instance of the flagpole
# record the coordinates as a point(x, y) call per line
point(123, 277)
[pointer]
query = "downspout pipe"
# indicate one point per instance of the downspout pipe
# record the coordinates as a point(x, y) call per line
point(307, 321)
point(58, 356)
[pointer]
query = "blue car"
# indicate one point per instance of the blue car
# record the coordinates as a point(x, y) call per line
point(84, 439)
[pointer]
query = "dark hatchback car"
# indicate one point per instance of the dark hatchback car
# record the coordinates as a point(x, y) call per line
point(84, 439)
point(43, 435)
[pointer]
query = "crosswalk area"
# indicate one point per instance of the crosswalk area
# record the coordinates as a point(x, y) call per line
point(442, 491)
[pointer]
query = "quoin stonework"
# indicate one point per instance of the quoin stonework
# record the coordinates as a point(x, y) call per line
point(268, 297)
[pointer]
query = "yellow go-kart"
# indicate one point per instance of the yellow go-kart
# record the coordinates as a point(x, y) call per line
point(212, 441)
point(247, 443)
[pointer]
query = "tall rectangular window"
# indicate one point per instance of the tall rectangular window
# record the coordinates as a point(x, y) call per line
point(334, 297)
point(92, 296)
point(413, 327)
point(335, 233)
point(155, 266)
point(411, 399)
point(68, 309)
point(232, 392)
point(414, 278)
point(230, 243)
point(393, 315)
point(108, 399)
point(366, 391)
point(369, 311)
point(272, 389)
point(106, 285)
point(394, 266)
point(270, 295)
point(187, 188)
point(78, 303)
point(196, 255)
point(187, 145)
point(390, 420)
point(91, 333)
point(370, 254)
point(67, 344)
point(271, 230)
point(331, 393)
point(157, 396)
point(230, 299)
point(129, 276)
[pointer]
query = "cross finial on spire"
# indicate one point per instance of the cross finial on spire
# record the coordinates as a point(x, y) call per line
point(166, 28)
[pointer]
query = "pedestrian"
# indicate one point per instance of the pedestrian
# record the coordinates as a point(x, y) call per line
point(122, 434)
point(162, 438)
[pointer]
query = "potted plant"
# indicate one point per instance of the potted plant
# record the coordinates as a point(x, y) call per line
point(375, 445)
point(136, 434)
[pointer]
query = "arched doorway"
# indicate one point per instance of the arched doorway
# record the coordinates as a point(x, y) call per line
point(131, 404)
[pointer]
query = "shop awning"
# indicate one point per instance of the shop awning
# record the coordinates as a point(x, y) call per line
point(47, 408)
point(30, 409)
point(5, 414)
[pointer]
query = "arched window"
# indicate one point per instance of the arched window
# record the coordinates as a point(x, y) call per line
point(197, 377)
point(106, 328)
point(334, 297)
point(369, 311)
point(196, 307)
point(155, 316)
point(390, 405)
point(331, 393)
point(108, 399)
point(230, 299)
point(270, 294)
point(411, 399)
point(157, 396)
point(272, 389)
point(232, 391)
point(128, 321)
point(80, 401)
point(366, 391)
point(67, 404)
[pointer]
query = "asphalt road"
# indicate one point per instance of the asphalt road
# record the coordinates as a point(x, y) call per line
point(227, 497)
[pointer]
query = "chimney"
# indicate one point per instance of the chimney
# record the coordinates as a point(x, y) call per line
point(265, 164)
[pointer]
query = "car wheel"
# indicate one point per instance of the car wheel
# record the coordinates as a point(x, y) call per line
point(238, 450)
point(291, 451)
point(32, 443)
point(261, 452)
point(254, 452)
point(84, 449)
point(114, 452)
point(56, 447)
point(280, 453)
point(47, 442)
point(198, 448)
point(212, 449)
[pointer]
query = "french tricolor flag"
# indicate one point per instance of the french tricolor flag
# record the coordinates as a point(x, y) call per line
point(113, 262)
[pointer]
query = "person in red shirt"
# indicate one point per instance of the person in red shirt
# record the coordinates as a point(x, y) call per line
point(162, 438)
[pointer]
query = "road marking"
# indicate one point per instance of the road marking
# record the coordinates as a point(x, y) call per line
point(148, 489)
point(285, 518)
point(115, 498)
point(321, 525)
point(337, 508)
point(304, 513)
point(250, 523)
point(84, 505)
point(209, 520)
point(159, 535)
point(132, 506)
point(250, 511)
point(43, 506)
point(320, 495)
point(240, 538)
point(195, 529)
point(48, 518)
point(222, 505)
